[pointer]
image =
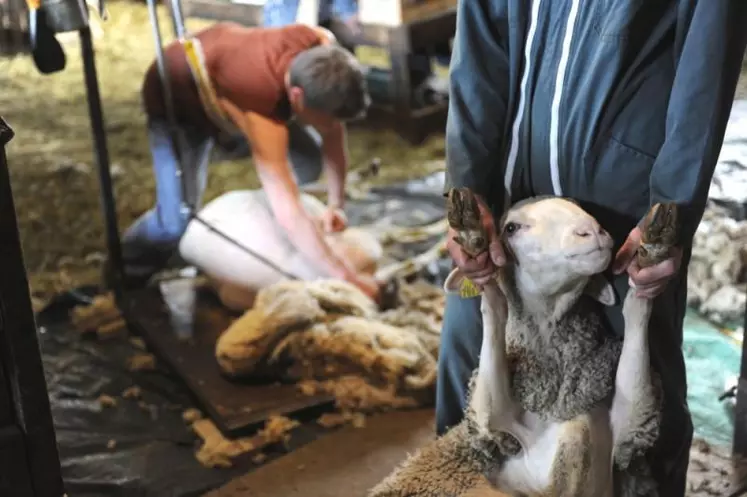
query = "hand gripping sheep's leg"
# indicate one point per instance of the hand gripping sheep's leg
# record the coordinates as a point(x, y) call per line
point(635, 409)
point(492, 411)
point(463, 216)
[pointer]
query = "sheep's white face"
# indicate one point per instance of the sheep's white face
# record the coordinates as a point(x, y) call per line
point(556, 244)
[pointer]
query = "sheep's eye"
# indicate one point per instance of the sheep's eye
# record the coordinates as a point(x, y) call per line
point(511, 228)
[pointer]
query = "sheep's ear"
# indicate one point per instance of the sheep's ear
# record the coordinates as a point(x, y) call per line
point(601, 290)
point(454, 281)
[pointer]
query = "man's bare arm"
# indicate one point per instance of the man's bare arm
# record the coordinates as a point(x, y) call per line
point(269, 142)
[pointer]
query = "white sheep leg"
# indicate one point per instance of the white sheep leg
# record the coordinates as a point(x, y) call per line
point(634, 413)
point(493, 408)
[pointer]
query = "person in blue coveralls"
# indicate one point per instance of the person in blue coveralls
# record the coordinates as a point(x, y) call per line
point(618, 104)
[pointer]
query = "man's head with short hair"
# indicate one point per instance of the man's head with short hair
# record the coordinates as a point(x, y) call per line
point(328, 80)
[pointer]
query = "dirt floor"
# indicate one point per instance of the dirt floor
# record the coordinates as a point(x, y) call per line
point(54, 182)
point(353, 460)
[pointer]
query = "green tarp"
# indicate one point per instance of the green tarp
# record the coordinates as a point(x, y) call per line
point(711, 358)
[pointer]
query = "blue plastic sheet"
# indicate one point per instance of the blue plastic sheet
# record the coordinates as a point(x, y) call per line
point(711, 357)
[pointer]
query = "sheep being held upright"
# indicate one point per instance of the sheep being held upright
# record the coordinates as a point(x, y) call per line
point(558, 405)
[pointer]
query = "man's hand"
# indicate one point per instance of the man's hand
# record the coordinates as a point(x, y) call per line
point(648, 282)
point(481, 268)
point(334, 220)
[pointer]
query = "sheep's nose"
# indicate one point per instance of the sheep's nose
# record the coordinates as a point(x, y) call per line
point(589, 229)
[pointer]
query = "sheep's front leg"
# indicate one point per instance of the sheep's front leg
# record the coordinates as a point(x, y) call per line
point(493, 411)
point(635, 410)
point(635, 407)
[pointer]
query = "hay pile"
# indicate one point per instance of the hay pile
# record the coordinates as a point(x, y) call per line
point(717, 277)
point(330, 336)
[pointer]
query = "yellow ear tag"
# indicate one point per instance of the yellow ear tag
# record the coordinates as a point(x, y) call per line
point(468, 290)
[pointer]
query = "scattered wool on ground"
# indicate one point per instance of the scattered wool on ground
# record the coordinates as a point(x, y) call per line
point(717, 277)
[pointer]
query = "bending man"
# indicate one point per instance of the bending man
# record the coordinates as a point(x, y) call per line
point(289, 91)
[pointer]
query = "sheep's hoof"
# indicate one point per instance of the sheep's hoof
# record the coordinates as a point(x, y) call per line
point(463, 215)
point(660, 224)
point(658, 234)
point(462, 210)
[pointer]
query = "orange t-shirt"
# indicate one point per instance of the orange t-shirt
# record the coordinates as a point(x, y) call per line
point(247, 67)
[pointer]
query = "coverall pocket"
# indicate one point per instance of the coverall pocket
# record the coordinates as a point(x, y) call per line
point(612, 19)
point(617, 176)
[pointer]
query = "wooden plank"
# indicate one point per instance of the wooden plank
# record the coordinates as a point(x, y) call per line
point(348, 462)
point(396, 13)
point(418, 10)
point(221, 10)
point(181, 324)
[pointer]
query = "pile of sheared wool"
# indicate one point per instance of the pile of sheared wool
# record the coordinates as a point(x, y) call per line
point(717, 275)
point(332, 338)
point(713, 472)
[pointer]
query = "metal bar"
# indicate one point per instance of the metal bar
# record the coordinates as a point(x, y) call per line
point(101, 153)
point(739, 445)
point(177, 18)
point(163, 74)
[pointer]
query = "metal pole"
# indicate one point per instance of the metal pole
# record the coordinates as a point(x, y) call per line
point(739, 445)
point(177, 18)
point(101, 153)
point(163, 74)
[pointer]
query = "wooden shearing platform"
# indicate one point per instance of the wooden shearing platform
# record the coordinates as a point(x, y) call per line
point(181, 322)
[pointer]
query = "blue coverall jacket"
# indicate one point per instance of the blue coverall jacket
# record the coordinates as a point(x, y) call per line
point(616, 103)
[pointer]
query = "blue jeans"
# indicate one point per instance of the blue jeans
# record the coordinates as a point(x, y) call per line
point(152, 239)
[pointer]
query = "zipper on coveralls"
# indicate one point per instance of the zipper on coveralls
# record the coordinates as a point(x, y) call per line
point(513, 152)
point(555, 107)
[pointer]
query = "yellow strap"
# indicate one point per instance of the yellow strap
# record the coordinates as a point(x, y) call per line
point(33, 4)
point(468, 289)
point(208, 97)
